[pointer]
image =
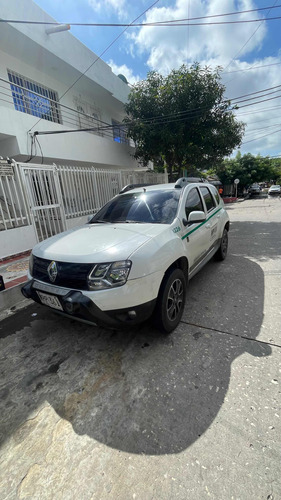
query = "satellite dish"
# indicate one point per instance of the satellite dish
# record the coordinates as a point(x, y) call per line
point(123, 78)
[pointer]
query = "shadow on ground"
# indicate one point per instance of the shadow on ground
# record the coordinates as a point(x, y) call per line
point(136, 391)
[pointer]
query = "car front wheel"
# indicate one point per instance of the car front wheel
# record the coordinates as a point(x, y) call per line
point(171, 300)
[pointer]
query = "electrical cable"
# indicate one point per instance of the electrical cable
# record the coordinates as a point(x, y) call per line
point(99, 57)
point(169, 24)
point(250, 38)
point(156, 23)
point(160, 120)
point(42, 157)
point(248, 69)
point(261, 137)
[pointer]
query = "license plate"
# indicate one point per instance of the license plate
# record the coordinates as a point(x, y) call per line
point(50, 300)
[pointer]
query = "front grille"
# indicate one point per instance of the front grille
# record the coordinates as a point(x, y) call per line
point(70, 275)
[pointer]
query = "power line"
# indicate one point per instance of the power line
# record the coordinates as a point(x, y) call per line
point(250, 38)
point(147, 25)
point(248, 69)
point(258, 102)
point(262, 128)
point(258, 111)
point(261, 137)
point(172, 21)
point(99, 57)
point(158, 120)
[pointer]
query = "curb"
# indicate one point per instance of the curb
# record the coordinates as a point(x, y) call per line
point(12, 297)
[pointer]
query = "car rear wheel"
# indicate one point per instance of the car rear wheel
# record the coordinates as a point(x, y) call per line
point(170, 302)
point(222, 251)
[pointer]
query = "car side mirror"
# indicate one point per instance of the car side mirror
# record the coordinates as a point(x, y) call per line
point(195, 217)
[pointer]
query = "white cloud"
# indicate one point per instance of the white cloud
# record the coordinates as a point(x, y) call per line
point(124, 70)
point(168, 47)
point(108, 6)
point(219, 45)
point(263, 120)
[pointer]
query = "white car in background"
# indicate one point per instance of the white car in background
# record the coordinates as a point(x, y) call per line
point(133, 259)
point(276, 189)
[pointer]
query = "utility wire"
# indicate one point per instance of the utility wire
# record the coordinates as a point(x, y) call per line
point(261, 137)
point(248, 69)
point(258, 111)
point(99, 57)
point(156, 23)
point(160, 119)
point(250, 38)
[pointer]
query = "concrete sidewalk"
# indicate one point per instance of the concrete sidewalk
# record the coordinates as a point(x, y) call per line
point(14, 273)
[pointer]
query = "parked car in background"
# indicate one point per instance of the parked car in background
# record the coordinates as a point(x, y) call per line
point(134, 257)
point(276, 189)
point(254, 189)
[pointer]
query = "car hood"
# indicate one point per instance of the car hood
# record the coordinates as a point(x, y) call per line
point(97, 242)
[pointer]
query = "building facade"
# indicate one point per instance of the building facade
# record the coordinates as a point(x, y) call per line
point(51, 82)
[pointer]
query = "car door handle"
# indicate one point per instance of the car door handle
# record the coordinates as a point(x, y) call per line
point(208, 226)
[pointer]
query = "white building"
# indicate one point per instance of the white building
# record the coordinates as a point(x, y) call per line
point(42, 90)
point(51, 82)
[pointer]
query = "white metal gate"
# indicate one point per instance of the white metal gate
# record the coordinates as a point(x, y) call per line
point(44, 197)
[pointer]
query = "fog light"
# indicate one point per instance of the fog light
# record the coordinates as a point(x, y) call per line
point(68, 306)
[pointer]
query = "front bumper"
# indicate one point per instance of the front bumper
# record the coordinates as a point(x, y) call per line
point(78, 306)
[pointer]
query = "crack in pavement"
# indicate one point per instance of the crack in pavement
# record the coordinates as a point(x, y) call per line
point(231, 334)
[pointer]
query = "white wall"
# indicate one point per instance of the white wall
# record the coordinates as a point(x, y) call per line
point(16, 240)
point(56, 61)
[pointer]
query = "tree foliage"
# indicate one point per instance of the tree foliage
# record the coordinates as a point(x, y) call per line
point(249, 169)
point(182, 120)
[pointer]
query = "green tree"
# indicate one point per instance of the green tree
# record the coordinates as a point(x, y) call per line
point(248, 169)
point(182, 120)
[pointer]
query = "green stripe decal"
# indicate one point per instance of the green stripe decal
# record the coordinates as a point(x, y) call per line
point(202, 224)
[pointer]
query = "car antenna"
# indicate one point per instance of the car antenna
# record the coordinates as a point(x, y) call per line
point(144, 190)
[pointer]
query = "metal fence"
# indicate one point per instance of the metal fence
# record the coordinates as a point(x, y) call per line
point(45, 195)
point(13, 208)
point(86, 190)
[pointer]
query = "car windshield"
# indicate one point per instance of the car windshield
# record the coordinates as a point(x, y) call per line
point(157, 207)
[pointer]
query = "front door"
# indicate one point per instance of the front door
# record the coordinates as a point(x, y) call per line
point(195, 236)
point(44, 198)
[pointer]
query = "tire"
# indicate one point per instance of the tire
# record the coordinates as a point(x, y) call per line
point(221, 253)
point(171, 301)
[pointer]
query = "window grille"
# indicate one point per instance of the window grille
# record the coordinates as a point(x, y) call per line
point(33, 98)
point(119, 133)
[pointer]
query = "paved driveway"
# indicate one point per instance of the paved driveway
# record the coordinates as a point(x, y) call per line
point(93, 414)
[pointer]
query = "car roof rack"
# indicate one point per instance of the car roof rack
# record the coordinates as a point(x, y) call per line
point(187, 180)
point(133, 186)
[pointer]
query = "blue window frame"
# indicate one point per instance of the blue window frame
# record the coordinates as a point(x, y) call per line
point(119, 133)
point(33, 98)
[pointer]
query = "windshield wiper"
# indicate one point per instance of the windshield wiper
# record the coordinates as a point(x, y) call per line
point(99, 221)
point(128, 221)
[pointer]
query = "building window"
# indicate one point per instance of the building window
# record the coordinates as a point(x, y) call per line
point(119, 133)
point(87, 116)
point(33, 98)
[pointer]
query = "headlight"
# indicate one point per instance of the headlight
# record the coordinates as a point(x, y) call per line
point(31, 264)
point(109, 275)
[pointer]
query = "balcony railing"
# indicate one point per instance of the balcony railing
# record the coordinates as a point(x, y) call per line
point(18, 97)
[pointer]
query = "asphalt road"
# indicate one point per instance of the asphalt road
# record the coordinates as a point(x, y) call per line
point(93, 414)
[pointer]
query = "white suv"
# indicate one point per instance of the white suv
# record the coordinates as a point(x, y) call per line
point(133, 259)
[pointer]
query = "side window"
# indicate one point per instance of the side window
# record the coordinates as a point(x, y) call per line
point(215, 194)
point(209, 200)
point(193, 202)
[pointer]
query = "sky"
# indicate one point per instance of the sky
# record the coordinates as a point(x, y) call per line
point(248, 53)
